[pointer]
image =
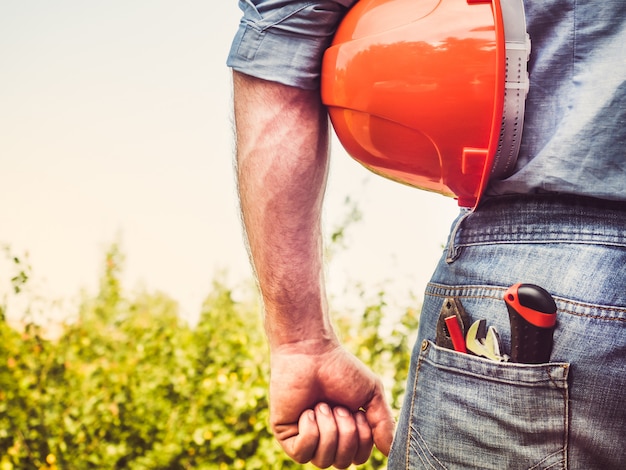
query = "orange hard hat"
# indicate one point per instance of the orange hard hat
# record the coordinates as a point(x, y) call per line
point(416, 92)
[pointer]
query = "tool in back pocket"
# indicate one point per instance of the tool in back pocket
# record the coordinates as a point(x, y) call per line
point(532, 315)
point(452, 325)
point(532, 318)
point(485, 342)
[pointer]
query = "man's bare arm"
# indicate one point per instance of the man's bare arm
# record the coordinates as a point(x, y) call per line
point(325, 406)
point(282, 162)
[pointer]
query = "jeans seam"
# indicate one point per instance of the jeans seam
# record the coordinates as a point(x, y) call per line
point(567, 306)
point(412, 428)
point(563, 450)
point(537, 465)
point(566, 423)
point(603, 308)
point(408, 441)
point(448, 292)
point(537, 241)
point(424, 448)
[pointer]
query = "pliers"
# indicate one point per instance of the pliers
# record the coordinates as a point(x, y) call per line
point(452, 325)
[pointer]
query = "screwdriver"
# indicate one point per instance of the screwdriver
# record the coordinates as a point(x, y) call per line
point(532, 315)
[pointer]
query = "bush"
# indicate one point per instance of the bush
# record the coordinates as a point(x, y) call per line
point(128, 385)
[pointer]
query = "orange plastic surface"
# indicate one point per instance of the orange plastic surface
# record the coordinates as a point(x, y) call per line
point(415, 91)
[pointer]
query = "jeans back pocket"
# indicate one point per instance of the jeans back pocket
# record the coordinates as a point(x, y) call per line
point(470, 412)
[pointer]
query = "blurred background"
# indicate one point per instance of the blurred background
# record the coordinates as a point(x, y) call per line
point(116, 127)
point(134, 337)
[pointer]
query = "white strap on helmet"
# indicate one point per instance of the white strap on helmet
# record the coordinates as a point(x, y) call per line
point(515, 87)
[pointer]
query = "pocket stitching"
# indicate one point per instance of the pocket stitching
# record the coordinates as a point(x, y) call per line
point(423, 446)
point(419, 443)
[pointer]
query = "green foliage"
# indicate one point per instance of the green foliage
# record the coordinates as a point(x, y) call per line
point(337, 237)
point(130, 386)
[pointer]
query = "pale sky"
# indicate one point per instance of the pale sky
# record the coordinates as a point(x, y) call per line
point(115, 125)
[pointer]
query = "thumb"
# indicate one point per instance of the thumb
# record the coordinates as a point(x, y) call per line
point(381, 421)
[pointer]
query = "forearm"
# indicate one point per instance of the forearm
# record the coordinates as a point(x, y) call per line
point(282, 164)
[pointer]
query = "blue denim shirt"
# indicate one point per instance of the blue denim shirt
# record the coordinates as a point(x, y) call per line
point(574, 138)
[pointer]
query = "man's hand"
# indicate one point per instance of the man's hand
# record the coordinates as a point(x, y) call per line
point(326, 406)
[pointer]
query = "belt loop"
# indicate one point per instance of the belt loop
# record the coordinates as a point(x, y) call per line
point(453, 250)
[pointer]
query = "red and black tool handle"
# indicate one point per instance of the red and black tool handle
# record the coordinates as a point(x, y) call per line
point(532, 315)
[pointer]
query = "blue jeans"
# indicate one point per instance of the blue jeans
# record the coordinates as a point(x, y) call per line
point(462, 411)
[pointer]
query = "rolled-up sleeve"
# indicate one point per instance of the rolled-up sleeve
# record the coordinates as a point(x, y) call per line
point(284, 41)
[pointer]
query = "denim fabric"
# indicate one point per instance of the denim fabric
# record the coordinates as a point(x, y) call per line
point(284, 41)
point(463, 411)
point(574, 136)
